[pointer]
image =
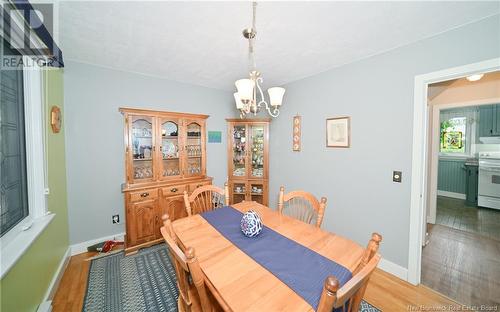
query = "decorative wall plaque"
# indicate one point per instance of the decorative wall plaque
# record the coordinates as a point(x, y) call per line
point(55, 119)
point(296, 133)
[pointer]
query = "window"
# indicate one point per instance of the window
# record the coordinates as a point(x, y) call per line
point(13, 177)
point(453, 135)
point(23, 205)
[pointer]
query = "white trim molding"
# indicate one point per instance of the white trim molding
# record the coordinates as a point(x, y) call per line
point(15, 242)
point(82, 247)
point(393, 268)
point(451, 194)
point(420, 161)
point(46, 305)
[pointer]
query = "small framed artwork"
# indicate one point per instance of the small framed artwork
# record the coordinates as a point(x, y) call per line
point(452, 140)
point(338, 132)
point(214, 136)
point(296, 133)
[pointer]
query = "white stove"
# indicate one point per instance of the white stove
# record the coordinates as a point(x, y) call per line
point(489, 180)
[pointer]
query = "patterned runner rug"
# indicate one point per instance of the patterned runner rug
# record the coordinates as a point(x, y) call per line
point(141, 282)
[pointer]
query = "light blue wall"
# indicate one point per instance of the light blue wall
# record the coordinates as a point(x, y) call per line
point(94, 137)
point(377, 93)
point(451, 175)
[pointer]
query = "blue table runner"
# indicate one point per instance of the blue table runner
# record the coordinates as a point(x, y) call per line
point(300, 268)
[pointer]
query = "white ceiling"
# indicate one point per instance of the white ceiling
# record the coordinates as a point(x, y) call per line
point(200, 42)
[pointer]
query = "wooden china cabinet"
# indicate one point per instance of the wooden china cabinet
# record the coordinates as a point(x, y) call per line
point(165, 155)
point(248, 160)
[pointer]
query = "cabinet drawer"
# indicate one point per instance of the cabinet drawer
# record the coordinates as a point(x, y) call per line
point(194, 186)
point(173, 190)
point(143, 195)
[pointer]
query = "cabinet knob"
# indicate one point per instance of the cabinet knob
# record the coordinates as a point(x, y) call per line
point(173, 190)
point(145, 194)
point(199, 185)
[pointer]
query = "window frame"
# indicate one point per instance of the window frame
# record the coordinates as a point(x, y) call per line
point(467, 144)
point(470, 140)
point(15, 242)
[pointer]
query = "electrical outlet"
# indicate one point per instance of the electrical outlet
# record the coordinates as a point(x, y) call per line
point(396, 176)
point(115, 219)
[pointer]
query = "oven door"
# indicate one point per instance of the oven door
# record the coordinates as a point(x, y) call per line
point(489, 178)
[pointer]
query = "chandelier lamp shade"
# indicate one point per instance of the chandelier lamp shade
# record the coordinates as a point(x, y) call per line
point(249, 97)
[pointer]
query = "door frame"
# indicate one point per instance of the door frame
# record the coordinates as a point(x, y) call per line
point(421, 136)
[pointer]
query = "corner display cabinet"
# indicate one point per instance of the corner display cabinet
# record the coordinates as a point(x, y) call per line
point(248, 160)
point(165, 155)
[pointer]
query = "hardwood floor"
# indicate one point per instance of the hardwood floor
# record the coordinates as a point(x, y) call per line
point(384, 291)
point(456, 214)
point(463, 266)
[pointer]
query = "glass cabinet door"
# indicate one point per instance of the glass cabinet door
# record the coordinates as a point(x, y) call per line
point(239, 191)
point(239, 147)
point(257, 192)
point(170, 162)
point(141, 139)
point(193, 150)
point(257, 155)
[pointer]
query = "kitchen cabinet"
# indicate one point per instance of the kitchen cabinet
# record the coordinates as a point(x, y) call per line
point(471, 185)
point(485, 120)
point(489, 120)
point(248, 160)
point(165, 155)
point(496, 129)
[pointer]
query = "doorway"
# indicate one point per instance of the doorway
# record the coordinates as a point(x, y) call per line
point(420, 159)
point(462, 249)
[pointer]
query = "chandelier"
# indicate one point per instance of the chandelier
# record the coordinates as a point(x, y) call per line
point(249, 97)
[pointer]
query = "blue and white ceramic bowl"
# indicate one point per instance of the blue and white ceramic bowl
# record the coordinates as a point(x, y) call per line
point(251, 224)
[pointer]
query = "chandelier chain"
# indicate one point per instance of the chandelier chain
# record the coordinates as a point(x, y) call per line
point(251, 40)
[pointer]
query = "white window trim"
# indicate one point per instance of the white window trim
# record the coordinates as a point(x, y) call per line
point(18, 239)
point(470, 143)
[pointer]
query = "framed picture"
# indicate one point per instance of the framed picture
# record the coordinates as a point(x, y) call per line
point(214, 136)
point(338, 132)
point(452, 140)
point(296, 134)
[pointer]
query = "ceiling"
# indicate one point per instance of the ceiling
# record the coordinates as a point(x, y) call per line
point(201, 43)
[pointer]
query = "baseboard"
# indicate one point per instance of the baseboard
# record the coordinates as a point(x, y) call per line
point(393, 268)
point(46, 305)
point(451, 194)
point(82, 247)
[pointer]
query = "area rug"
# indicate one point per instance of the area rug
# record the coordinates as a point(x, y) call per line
point(144, 281)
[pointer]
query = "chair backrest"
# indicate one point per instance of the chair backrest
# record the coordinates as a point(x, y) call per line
point(349, 296)
point(206, 198)
point(185, 264)
point(302, 206)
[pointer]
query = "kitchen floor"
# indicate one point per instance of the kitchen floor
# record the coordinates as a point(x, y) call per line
point(454, 213)
point(462, 266)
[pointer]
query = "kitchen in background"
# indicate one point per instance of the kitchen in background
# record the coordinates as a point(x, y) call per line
point(461, 255)
point(469, 170)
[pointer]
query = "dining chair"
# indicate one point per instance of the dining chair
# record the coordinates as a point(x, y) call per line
point(206, 198)
point(348, 297)
point(302, 205)
point(193, 296)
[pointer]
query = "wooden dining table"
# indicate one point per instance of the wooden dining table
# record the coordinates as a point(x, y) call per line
point(241, 283)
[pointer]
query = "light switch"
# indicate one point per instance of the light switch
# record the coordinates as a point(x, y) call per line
point(396, 176)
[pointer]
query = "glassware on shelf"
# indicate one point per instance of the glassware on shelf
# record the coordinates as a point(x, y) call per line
point(142, 144)
point(239, 151)
point(170, 148)
point(257, 149)
point(143, 172)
